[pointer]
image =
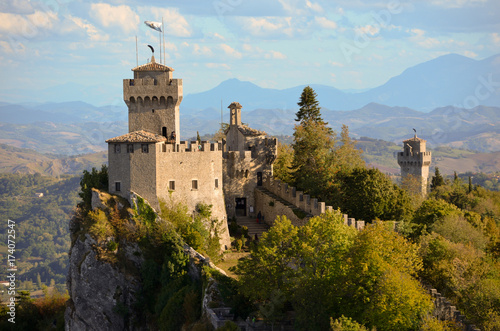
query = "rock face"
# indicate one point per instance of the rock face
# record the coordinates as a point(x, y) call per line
point(102, 294)
point(102, 297)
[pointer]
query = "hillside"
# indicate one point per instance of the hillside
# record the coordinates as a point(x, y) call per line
point(26, 161)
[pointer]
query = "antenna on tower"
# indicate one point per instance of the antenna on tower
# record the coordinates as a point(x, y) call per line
point(136, 52)
point(221, 114)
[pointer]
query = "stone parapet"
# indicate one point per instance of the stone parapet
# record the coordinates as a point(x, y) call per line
point(294, 197)
point(194, 146)
point(297, 199)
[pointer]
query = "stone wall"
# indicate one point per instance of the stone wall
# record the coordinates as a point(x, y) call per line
point(275, 198)
point(184, 163)
point(445, 311)
point(271, 208)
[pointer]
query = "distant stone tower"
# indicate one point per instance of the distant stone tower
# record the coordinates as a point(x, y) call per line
point(415, 160)
point(153, 98)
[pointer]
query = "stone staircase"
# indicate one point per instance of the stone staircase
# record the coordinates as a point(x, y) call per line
point(283, 201)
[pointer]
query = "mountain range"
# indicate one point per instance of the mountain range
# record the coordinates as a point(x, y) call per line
point(451, 100)
point(446, 80)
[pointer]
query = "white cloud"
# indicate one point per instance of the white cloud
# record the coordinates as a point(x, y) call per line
point(115, 16)
point(90, 29)
point(335, 64)
point(370, 30)
point(325, 23)
point(202, 50)
point(314, 6)
point(267, 26)
point(470, 54)
point(257, 52)
point(230, 51)
point(496, 38)
point(275, 55)
point(28, 26)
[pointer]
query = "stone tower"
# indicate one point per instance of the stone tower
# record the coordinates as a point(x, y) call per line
point(248, 158)
point(153, 98)
point(415, 160)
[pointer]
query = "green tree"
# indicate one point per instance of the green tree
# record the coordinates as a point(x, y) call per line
point(309, 107)
point(312, 170)
point(97, 179)
point(346, 324)
point(347, 156)
point(437, 180)
point(368, 194)
point(282, 167)
point(380, 282)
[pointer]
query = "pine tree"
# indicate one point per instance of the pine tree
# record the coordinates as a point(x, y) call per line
point(437, 180)
point(198, 138)
point(309, 107)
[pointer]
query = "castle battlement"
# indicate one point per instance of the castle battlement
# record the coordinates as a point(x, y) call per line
point(296, 198)
point(151, 87)
point(299, 200)
point(194, 146)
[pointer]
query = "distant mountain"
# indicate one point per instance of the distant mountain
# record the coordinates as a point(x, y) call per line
point(447, 80)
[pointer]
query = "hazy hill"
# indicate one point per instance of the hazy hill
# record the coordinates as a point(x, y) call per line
point(26, 161)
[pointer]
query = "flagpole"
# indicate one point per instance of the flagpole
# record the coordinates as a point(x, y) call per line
point(159, 33)
point(136, 52)
point(163, 30)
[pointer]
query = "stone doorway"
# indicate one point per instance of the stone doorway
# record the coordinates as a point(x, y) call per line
point(241, 207)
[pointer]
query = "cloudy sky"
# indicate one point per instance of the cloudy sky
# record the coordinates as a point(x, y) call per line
point(348, 44)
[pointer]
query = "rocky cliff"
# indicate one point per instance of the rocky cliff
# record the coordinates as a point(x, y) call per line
point(102, 292)
point(121, 261)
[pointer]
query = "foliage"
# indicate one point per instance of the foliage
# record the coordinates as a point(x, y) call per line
point(346, 324)
point(201, 232)
point(282, 167)
point(309, 107)
point(437, 180)
point(97, 179)
point(368, 194)
point(368, 275)
point(312, 164)
point(41, 225)
point(36, 314)
point(380, 281)
point(465, 275)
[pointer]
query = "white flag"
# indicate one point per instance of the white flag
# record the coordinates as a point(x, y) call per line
point(153, 25)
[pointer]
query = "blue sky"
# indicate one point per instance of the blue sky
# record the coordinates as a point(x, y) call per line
point(348, 44)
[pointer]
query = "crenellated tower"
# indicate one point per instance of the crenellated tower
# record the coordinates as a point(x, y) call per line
point(415, 160)
point(153, 98)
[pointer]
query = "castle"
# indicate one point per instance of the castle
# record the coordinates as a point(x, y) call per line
point(415, 161)
point(153, 162)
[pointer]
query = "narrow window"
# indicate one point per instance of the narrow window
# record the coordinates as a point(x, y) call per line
point(130, 148)
point(145, 148)
point(171, 185)
point(164, 131)
point(153, 111)
point(118, 186)
point(194, 184)
point(216, 183)
point(117, 148)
